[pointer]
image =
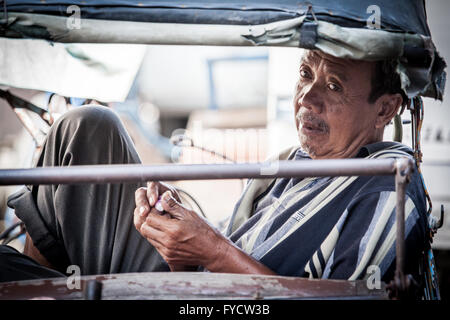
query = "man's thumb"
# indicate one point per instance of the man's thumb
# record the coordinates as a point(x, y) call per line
point(171, 205)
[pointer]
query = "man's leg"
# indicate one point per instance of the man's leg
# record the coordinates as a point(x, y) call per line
point(89, 225)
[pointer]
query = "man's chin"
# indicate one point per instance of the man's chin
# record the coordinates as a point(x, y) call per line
point(310, 147)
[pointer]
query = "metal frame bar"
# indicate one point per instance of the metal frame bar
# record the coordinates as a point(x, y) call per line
point(401, 168)
point(169, 172)
point(401, 283)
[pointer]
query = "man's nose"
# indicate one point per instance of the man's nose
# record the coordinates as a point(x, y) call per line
point(311, 98)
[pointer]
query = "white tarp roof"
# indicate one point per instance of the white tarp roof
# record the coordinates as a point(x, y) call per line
point(104, 72)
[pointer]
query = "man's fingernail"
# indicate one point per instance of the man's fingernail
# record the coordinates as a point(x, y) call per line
point(158, 206)
point(141, 211)
point(167, 196)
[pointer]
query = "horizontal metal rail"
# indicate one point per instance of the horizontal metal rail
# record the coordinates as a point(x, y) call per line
point(169, 172)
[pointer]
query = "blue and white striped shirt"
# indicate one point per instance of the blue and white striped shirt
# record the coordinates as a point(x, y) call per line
point(334, 227)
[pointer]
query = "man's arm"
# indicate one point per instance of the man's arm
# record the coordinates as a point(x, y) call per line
point(184, 238)
point(31, 251)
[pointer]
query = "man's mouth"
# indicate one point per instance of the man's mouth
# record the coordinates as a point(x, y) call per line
point(312, 128)
point(309, 124)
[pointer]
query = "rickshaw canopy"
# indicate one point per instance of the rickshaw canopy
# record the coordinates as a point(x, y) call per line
point(367, 29)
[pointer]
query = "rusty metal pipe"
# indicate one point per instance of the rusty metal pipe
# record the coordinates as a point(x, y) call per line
point(170, 172)
point(404, 168)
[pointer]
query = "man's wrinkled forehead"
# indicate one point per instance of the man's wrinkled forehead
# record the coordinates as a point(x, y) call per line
point(340, 65)
point(316, 56)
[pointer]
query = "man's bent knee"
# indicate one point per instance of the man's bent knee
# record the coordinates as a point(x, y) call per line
point(91, 116)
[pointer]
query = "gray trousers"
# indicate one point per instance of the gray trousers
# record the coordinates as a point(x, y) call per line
point(89, 225)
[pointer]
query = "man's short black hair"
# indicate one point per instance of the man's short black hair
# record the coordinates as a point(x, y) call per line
point(385, 79)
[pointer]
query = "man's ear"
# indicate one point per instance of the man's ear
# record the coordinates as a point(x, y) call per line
point(387, 106)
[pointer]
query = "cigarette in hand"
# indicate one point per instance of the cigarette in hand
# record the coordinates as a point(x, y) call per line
point(158, 205)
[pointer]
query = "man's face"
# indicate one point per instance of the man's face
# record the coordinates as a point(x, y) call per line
point(333, 116)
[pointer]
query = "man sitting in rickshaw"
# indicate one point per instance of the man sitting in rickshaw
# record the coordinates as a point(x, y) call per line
point(319, 227)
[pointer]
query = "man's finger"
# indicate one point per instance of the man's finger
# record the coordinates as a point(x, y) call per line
point(152, 233)
point(141, 201)
point(152, 192)
point(138, 219)
point(171, 205)
point(158, 221)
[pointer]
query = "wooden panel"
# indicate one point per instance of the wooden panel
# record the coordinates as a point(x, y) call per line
point(197, 285)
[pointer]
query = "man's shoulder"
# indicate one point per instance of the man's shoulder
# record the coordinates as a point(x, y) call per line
point(389, 149)
point(385, 149)
point(382, 149)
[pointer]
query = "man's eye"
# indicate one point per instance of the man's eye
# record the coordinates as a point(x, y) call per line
point(304, 73)
point(334, 87)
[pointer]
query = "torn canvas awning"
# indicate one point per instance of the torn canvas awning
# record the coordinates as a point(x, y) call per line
point(340, 28)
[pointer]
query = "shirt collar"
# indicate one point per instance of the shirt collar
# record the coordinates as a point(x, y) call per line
point(363, 152)
point(377, 146)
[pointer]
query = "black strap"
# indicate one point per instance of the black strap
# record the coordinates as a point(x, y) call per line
point(16, 102)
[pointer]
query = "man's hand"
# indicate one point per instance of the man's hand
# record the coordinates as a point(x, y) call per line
point(183, 238)
point(156, 189)
point(180, 235)
point(146, 199)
